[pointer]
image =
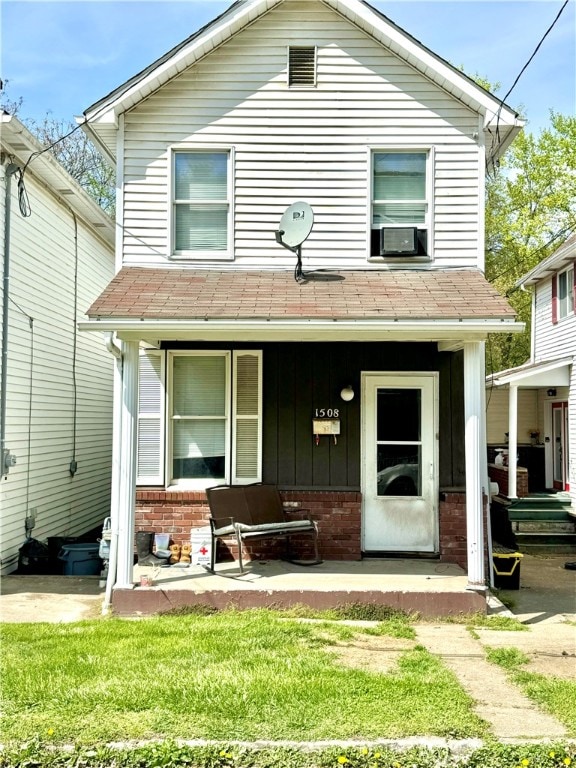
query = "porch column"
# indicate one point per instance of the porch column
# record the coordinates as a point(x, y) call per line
point(474, 415)
point(512, 440)
point(127, 485)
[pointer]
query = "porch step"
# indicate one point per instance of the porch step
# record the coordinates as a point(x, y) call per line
point(546, 543)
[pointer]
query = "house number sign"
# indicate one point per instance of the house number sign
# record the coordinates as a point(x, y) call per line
point(327, 413)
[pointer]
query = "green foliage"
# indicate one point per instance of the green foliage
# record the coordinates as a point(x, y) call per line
point(169, 754)
point(530, 210)
point(76, 153)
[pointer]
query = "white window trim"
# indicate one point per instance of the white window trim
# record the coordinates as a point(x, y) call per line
point(199, 483)
point(563, 311)
point(228, 254)
point(428, 224)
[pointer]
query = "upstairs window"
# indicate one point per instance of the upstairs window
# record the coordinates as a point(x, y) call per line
point(302, 66)
point(400, 204)
point(201, 204)
point(566, 289)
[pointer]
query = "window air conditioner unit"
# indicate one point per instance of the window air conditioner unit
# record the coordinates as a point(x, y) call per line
point(398, 240)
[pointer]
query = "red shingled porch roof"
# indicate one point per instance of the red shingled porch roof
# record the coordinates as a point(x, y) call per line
point(185, 294)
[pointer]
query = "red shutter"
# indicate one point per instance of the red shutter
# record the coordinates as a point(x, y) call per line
point(555, 299)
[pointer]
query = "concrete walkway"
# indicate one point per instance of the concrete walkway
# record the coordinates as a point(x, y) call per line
point(510, 714)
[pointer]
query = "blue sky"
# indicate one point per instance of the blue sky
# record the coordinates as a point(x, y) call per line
point(61, 57)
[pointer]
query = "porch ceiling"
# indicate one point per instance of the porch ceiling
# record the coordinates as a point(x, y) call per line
point(170, 302)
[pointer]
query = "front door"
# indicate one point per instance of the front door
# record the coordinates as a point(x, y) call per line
point(560, 446)
point(399, 460)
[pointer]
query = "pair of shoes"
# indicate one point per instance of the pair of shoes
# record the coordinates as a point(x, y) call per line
point(180, 553)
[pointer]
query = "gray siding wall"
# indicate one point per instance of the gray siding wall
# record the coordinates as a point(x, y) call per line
point(45, 378)
point(302, 143)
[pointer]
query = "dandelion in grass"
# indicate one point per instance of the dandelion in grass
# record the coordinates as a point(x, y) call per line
point(567, 761)
point(343, 759)
point(364, 751)
point(50, 732)
point(551, 754)
point(525, 761)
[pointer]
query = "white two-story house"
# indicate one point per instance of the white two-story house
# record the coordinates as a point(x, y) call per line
point(542, 393)
point(315, 130)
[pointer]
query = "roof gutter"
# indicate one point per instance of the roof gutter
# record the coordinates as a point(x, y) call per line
point(303, 329)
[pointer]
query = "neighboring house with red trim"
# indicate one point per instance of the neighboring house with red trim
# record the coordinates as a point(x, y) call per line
point(230, 369)
point(57, 255)
point(540, 396)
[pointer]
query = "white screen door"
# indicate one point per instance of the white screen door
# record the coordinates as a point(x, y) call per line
point(399, 485)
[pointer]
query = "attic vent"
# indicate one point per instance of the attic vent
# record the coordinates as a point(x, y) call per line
point(302, 65)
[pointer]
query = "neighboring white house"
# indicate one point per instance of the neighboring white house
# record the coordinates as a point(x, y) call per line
point(541, 395)
point(328, 104)
point(58, 382)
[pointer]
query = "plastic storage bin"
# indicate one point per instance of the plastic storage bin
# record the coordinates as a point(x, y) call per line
point(506, 566)
point(81, 559)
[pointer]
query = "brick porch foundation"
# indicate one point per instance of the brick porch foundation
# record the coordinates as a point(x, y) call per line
point(338, 514)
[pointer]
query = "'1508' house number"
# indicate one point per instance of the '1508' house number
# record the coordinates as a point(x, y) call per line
point(327, 413)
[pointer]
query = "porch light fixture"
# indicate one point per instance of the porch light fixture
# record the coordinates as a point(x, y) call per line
point(347, 393)
point(551, 392)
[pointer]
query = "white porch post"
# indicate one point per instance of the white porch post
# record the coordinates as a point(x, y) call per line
point(512, 441)
point(127, 489)
point(473, 414)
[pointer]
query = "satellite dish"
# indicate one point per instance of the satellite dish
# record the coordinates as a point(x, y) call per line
point(295, 226)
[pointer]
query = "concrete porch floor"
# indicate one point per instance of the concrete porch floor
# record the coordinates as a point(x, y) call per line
point(427, 587)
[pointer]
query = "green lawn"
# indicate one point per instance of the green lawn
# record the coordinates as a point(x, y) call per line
point(225, 676)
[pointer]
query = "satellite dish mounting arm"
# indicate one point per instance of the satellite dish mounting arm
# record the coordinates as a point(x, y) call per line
point(298, 272)
point(295, 226)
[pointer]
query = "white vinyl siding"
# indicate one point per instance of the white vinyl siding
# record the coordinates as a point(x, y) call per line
point(151, 408)
point(213, 431)
point(303, 143)
point(551, 340)
point(52, 368)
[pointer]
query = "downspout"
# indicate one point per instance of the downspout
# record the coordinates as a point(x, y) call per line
point(114, 350)
point(7, 459)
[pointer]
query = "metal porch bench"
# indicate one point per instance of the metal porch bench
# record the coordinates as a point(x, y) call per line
point(253, 512)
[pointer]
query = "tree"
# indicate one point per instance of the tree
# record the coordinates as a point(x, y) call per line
point(76, 153)
point(530, 211)
point(73, 150)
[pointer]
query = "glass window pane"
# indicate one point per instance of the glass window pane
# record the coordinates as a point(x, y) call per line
point(201, 227)
point(399, 471)
point(199, 385)
point(201, 175)
point(199, 448)
point(398, 213)
point(399, 176)
point(398, 415)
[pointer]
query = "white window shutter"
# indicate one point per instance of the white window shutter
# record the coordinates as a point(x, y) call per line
point(247, 403)
point(151, 400)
